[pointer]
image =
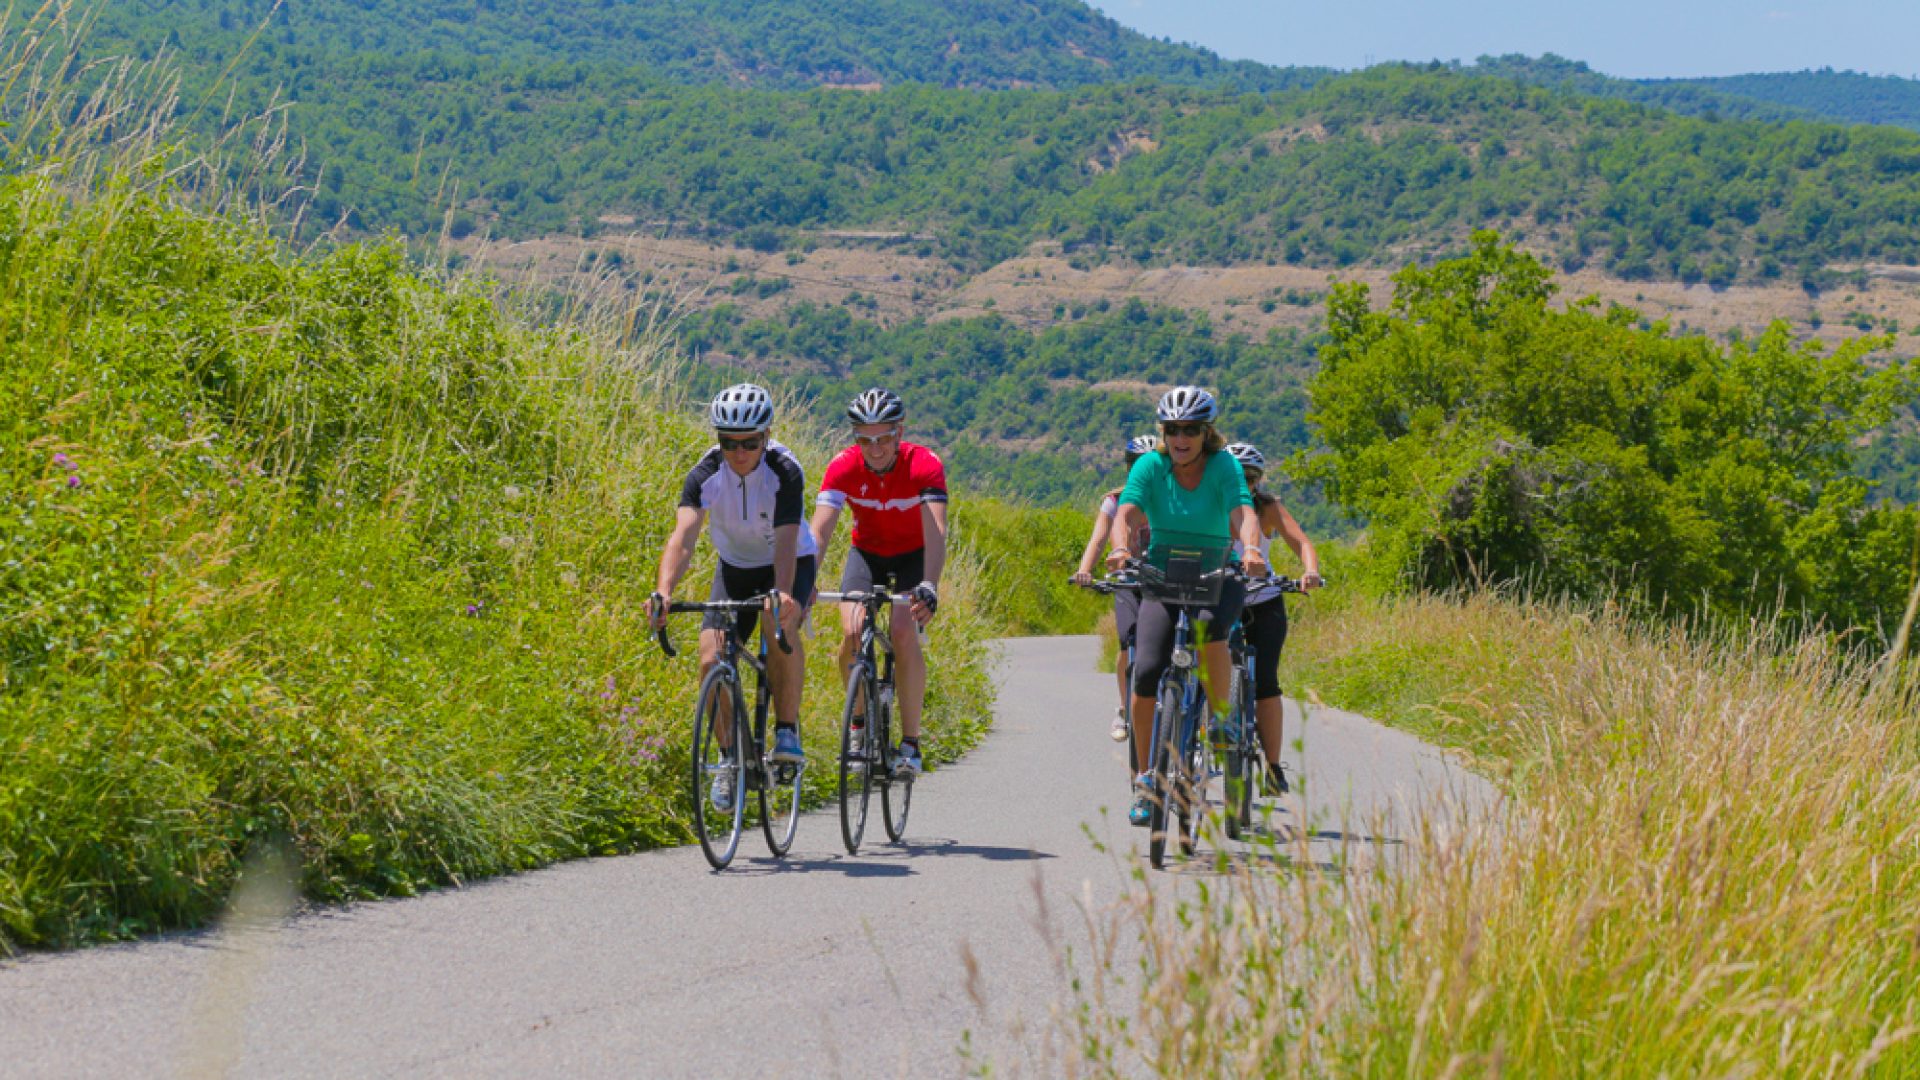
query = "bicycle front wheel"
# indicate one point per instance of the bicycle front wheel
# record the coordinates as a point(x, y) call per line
point(1164, 770)
point(1241, 766)
point(896, 794)
point(856, 758)
point(719, 784)
point(780, 804)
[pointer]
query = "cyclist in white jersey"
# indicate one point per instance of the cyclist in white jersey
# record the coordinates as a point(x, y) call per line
point(1264, 618)
point(1126, 603)
point(751, 493)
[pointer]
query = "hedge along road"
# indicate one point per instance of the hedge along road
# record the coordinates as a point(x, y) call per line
point(902, 961)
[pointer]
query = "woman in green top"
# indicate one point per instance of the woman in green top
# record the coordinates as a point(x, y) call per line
point(1188, 486)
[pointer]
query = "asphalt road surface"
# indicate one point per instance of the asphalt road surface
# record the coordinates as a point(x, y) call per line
point(919, 960)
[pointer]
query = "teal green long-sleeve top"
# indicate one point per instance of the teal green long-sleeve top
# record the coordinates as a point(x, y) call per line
point(1207, 510)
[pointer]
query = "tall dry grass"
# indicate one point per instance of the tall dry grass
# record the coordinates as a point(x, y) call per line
point(1707, 869)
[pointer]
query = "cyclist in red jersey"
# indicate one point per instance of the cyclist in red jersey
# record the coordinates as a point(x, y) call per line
point(898, 492)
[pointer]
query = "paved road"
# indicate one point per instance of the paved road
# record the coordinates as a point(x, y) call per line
point(650, 965)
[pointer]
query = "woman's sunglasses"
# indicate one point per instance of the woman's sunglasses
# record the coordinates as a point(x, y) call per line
point(750, 442)
point(1183, 430)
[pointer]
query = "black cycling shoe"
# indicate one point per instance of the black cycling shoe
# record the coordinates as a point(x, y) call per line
point(1277, 778)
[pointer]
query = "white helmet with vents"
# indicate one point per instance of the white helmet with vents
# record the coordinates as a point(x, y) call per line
point(1247, 456)
point(1187, 403)
point(877, 406)
point(745, 407)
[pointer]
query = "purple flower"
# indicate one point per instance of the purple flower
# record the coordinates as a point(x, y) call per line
point(473, 610)
point(63, 461)
point(73, 480)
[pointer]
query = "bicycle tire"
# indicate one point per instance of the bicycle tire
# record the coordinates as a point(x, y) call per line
point(856, 769)
point(1245, 767)
point(781, 786)
point(1165, 717)
point(718, 830)
point(896, 793)
point(1191, 801)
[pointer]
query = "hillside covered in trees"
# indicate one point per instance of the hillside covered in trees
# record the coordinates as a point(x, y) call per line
point(774, 44)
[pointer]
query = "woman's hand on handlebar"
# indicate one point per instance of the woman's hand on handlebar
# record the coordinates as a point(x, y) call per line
point(1118, 558)
point(1255, 565)
point(1310, 582)
point(1082, 578)
point(657, 611)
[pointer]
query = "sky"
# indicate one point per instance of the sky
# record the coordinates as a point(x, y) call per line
point(1627, 38)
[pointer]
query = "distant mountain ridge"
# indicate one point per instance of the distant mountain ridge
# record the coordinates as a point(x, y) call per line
point(770, 44)
point(1848, 97)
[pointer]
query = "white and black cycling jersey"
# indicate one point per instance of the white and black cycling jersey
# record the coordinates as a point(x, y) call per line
point(743, 511)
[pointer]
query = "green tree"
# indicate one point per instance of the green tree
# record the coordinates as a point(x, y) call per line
point(1491, 435)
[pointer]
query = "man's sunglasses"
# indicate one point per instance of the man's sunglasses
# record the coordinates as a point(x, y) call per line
point(876, 440)
point(750, 442)
point(1183, 430)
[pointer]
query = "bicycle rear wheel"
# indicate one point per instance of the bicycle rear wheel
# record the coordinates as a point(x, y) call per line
point(714, 771)
point(896, 793)
point(1164, 770)
point(856, 757)
point(780, 790)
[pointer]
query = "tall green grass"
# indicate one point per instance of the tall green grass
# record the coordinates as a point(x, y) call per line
point(1706, 869)
point(331, 548)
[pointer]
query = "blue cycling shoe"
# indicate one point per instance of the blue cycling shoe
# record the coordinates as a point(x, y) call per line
point(786, 745)
point(1140, 814)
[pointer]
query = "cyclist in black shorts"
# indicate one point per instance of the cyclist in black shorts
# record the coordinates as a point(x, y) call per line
point(1265, 614)
point(898, 492)
point(1126, 602)
point(751, 492)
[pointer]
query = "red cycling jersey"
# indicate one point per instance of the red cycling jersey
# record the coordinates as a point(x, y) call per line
point(886, 506)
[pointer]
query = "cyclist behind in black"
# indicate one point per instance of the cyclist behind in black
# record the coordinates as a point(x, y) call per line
point(751, 492)
point(1126, 602)
point(1265, 615)
point(1189, 486)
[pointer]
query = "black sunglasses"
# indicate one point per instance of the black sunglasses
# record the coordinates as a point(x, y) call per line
point(1181, 431)
point(750, 442)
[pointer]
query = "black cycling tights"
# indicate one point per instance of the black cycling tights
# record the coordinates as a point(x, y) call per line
point(1266, 630)
point(1153, 635)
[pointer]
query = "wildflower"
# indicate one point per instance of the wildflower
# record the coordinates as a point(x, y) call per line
point(473, 610)
point(63, 461)
point(73, 480)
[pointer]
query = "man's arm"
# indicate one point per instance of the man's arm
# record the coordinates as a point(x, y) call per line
point(933, 530)
point(677, 554)
point(826, 517)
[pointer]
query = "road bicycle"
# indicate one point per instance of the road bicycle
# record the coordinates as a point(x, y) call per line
point(720, 724)
point(866, 727)
point(1246, 773)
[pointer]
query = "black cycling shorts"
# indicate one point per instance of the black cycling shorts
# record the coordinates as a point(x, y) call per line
point(1265, 627)
point(1153, 636)
point(1126, 616)
point(894, 573)
point(740, 583)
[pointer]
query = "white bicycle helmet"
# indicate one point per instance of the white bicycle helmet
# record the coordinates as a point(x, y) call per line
point(745, 407)
point(877, 406)
point(1247, 456)
point(1142, 445)
point(1187, 403)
